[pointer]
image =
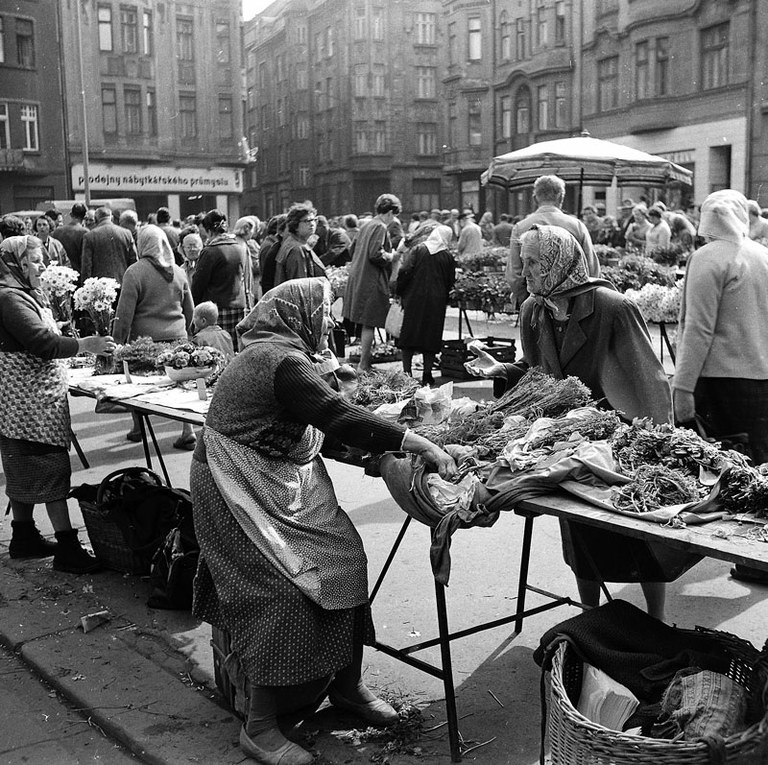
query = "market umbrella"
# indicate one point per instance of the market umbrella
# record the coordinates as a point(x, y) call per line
point(583, 159)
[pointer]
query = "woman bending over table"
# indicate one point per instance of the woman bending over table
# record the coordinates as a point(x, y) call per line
point(35, 428)
point(282, 567)
point(580, 326)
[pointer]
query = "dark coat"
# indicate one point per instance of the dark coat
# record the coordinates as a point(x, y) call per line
point(607, 346)
point(218, 275)
point(424, 282)
point(107, 251)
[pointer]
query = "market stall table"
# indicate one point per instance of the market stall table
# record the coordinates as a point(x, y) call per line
point(146, 397)
point(726, 539)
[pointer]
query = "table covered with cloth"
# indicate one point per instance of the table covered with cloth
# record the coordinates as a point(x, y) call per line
point(587, 472)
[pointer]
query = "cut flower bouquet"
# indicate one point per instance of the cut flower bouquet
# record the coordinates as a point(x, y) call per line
point(97, 298)
point(58, 283)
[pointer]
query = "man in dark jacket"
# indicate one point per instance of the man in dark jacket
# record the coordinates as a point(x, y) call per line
point(71, 234)
point(218, 274)
point(107, 249)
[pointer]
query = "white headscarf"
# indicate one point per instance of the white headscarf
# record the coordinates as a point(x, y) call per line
point(724, 215)
point(439, 239)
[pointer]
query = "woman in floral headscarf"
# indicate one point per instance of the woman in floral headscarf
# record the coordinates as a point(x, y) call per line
point(282, 568)
point(156, 302)
point(576, 325)
point(35, 429)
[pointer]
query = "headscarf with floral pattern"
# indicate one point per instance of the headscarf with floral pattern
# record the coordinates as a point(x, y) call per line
point(12, 254)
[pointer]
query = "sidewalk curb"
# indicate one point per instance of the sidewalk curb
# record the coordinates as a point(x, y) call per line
point(150, 705)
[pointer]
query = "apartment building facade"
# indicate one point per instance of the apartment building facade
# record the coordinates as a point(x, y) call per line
point(161, 102)
point(32, 149)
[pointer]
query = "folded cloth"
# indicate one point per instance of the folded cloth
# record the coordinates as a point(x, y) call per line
point(703, 706)
point(635, 649)
point(406, 479)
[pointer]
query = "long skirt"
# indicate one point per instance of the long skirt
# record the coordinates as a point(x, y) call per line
point(34, 472)
point(280, 636)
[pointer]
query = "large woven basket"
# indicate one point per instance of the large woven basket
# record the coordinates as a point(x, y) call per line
point(108, 541)
point(575, 740)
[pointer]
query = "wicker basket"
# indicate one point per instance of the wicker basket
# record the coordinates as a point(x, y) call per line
point(575, 740)
point(108, 542)
point(229, 676)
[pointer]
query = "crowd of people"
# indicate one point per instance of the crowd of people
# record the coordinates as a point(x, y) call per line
point(282, 568)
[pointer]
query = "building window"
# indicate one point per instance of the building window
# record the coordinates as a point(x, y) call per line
point(542, 27)
point(319, 45)
point(2, 40)
point(452, 121)
point(361, 138)
point(608, 83)
point(264, 117)
point(250, 99)
point(185, 41)
point(452, 49)
point(280, 68)
point(523, 112)
point(360, 82)
point(263, 75)
point(188, 115)
point(542, 107)
point(521, 39)
point(474, 122)
point(379, 82)
point(426, 138)
point(560, 22)
point(380, 137)
point(425, 82)
point(25, 44)
point(561, 105)
point(223, 53)
point(304, 176)
point(361, 23)
point(301, 34)
point(129, 30)
point(282, 159)
point(151, 112)
point(641, 70)
point(132, 100)
point(426, 25)
point(29, 124)
point(474, 39)
point(5, 128)
point(302, 127)
point(661, 75)
point(302, 79)
point(506, 116)
point(506, 39)
point(329, 41)
point(225, 117)
point(105, 27)
point(714, 56)
point(109, 110)
point(147, 40)
point(377, 23)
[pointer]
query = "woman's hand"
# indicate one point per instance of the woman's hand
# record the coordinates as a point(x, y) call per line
point(684, 405)
point(484, 365)
point(97, 344)
point(440, 461)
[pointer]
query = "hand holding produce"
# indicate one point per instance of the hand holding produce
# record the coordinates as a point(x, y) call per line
point(484, 365)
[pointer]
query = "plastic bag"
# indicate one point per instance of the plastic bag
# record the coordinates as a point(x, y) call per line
point(394, 321)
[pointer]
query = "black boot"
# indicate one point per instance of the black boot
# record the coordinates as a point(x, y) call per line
point(28, 542)
point(71, 557)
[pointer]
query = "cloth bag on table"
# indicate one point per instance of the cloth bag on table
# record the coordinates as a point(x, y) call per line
point(406, 479)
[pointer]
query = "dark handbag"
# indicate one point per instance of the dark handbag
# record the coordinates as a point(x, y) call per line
point(142, 507)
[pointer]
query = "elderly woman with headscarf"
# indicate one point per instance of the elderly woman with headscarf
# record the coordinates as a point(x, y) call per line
point(35, 429)
point(282, 567)
point(638, 229)
point(155, 301)
point(424, 281)
point(721, 371)
point(576, 325)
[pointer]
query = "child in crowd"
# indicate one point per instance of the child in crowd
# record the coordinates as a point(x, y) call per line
point(206, 331)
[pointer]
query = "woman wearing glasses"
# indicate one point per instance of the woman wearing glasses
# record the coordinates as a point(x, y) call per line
point(296, 259)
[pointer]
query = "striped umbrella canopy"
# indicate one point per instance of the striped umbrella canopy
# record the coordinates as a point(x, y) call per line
point(584, 160)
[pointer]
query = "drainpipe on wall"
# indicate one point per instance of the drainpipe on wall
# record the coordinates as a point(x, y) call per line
point(751, 105)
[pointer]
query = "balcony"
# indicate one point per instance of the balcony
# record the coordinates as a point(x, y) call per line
point(11, 160)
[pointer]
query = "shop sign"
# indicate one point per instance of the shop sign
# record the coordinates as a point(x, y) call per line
point(685, 157)
point(158, 178)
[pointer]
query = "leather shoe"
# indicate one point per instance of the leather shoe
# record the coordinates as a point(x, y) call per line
point(376, 712)
point(748, 574)
point(288, 754)
point(133, 435)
